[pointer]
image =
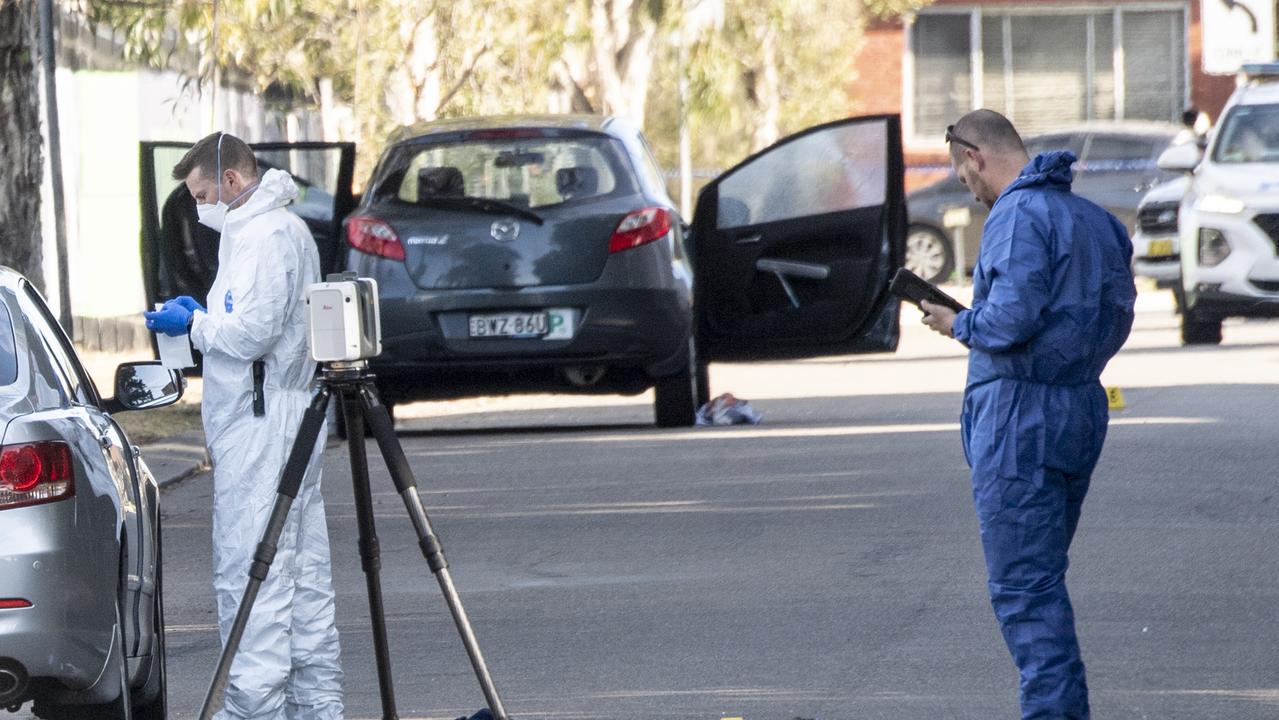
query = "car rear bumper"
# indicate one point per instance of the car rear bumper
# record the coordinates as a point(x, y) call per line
point(67, 632)
point(426, 342)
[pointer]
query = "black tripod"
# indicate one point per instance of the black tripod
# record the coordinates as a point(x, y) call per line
point(358, 401)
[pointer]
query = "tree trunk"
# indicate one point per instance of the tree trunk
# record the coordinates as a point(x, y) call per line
point(20, 143)
point(766, 92)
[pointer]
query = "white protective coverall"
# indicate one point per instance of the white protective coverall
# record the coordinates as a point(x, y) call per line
point(287, 666)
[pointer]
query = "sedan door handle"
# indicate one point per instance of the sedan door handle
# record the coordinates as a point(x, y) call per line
point(749, 239)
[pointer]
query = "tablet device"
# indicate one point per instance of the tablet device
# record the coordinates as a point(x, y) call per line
point(911, 287)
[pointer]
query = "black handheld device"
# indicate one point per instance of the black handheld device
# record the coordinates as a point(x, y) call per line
point(259, 391)
point(912, 288)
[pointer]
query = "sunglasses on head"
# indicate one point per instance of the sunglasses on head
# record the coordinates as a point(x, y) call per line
point(951, 137)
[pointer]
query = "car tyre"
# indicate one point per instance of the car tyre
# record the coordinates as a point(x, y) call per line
point(675, 397)
point(1197, 330)
point(929, 254)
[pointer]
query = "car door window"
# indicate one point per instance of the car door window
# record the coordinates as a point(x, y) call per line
point(1119, 152)
point(8, 350)
point(76, 379)
point(810, 176)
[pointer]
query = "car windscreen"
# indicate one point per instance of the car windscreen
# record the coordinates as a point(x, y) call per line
point(527, 172)
point(8, 349)
point(1248, 134)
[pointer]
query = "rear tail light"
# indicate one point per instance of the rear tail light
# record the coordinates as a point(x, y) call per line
point(374, 237)
point(34, 473)
point(14, 603)
point(639, 228)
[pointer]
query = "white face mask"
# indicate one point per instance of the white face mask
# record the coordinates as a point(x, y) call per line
point(213, 215)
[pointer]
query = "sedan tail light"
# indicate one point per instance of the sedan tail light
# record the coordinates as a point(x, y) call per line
point(373, 236)
point(640, 228)
point(34, 473)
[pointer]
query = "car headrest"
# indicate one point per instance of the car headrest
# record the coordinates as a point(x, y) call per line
point(443, 181)
point(573, 182)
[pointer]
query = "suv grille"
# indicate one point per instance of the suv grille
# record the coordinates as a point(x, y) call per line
point(1158, 217)
point(1270, 224)
point(1266, 285)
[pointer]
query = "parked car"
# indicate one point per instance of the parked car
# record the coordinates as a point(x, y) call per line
point(1229, 217)
point(1116, 167)
point(543, 254)
point(81, 617)
point(1155, 245)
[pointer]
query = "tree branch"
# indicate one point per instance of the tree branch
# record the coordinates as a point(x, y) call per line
point(466, 75)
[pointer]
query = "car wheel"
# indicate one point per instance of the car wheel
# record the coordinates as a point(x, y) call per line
point(151, 701)
point(675, 397)
point(1196, 330)
point(929, 254)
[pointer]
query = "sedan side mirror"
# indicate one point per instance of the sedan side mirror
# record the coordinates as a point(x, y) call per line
point(1180, 158)
point(145, 385)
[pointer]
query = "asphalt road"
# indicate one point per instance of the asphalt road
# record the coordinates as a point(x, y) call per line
point(824, 564)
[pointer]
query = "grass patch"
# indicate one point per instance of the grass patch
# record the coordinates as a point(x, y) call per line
point(144, 426)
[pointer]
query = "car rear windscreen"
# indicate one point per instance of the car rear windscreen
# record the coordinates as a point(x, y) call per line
point(530, 172)
point(8, 350)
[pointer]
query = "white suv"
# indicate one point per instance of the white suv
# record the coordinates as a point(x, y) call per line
point(1229, 217)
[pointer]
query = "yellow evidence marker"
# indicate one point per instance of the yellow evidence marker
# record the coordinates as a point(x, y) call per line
point(1116, 398)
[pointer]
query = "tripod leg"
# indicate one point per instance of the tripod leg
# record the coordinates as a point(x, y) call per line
point(290, 481)
point(402, 475)
point(370, 558)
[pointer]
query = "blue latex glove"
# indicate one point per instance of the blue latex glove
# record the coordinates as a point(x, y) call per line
point(188, 302)
point(172, 319)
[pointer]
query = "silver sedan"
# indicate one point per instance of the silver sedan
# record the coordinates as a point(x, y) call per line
point(81, 620)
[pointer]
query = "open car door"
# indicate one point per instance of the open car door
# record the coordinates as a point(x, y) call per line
point(794, 248)
point(180, 256)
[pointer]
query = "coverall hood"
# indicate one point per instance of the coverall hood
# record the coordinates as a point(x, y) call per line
point(1052, 169)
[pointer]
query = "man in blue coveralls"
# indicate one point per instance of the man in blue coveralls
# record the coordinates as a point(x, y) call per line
point(1052, 303)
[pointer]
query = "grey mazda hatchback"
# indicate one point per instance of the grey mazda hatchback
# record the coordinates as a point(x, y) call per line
point(527, 253)
point(543, 254)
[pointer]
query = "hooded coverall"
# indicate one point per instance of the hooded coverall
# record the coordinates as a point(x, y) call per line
point(1053, 301)
point(287, 666)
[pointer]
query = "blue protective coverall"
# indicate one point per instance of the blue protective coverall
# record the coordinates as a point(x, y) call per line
point(1053, 301)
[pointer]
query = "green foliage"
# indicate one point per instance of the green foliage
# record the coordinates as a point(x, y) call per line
point(392, 62)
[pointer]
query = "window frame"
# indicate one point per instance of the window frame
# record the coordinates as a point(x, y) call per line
point(977, 14)
point(79, 384)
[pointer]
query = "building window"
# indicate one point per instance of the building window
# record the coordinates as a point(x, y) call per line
point(1048, 69)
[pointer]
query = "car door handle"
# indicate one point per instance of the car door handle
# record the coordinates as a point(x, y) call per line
point(749, 239)
point(783, 268)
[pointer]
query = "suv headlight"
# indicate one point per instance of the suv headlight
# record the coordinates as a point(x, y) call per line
point(1213, 247)
point(1215, 203)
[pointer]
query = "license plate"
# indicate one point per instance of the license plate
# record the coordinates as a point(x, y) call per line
point(1159, 248)
point(552, 324)
point(508, 325)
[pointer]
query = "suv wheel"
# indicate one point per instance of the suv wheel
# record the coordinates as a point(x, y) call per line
point(929, 254)
point(1197, 330)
